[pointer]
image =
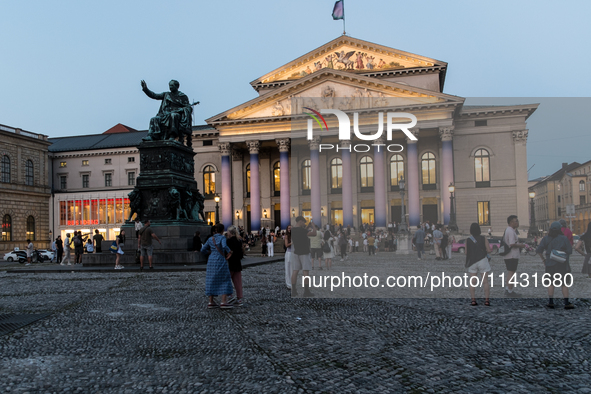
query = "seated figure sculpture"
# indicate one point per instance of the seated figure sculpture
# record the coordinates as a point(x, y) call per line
point(173, 119)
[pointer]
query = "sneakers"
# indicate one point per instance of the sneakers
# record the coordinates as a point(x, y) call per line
point(226, 306)
point(119, 267)
point(569, 306)
point(28, 264)
point(232, 300)
point(512, 294)
point(550, 306)
point(69, 263)
point(212, 305)
point(62, 264)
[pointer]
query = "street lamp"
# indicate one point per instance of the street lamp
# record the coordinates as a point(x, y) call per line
point(293, 212)
point(453, 226)
point(217, 208)
point(533, 230)
point(238, 218)
point(265, 213)
point(403, 225)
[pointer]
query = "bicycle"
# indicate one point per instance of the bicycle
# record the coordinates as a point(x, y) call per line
point(529, 250)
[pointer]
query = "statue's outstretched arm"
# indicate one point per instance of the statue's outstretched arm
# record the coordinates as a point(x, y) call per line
point(149, 93)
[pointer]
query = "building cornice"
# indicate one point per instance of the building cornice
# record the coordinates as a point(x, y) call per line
point(484, 111)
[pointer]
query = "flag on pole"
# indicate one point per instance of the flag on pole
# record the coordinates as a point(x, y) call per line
point(338, 12)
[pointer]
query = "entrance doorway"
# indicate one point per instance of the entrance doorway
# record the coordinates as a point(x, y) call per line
point(396, 213)
point(336, 217)
point(367, 216)
point(430, 213)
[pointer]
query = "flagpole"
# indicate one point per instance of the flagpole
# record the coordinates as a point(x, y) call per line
point(344, 30)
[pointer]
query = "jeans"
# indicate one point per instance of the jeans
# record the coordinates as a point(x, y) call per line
point(420, 249)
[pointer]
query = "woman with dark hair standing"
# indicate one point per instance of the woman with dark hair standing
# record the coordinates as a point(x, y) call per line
point(235, 265)
point(288, 251)
point(59, 244)
point(120, 240)
point(477, 250)
point(328, 256)
point(552, 243)
point(585, 241)
point(217, 276)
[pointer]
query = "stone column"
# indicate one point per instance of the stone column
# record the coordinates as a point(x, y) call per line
point(255, 191)
point(521, 190)
point(315, 174)
point(414, 208)
point(379, 183)
point(226, 216)
point(347, 184)
point(238, 187)
point(283, 144)
point(447, 168)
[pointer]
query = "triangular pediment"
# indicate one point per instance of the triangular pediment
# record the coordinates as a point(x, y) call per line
point(351, 55)
point(347, 91)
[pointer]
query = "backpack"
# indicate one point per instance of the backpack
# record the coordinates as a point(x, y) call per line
point(77, 241)
point(504, 249)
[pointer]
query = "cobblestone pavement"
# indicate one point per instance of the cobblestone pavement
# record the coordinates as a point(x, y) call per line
point(142, 333)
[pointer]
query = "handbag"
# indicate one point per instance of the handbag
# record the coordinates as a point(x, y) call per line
point(326, 247)
point(113, 247)
point(558, 256)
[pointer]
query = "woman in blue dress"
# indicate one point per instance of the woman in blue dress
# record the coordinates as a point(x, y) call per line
point(217, 279)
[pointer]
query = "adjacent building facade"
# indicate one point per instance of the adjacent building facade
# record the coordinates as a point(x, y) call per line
point(568, 186)
point(24, 189)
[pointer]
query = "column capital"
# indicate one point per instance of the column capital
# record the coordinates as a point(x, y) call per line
point(283, 144)
point(446, 133)
point(314, 143)
point(225, 148)
point(520, 136)
point(253, 146)
point(381, 140)
point(415, 132)
point(236, 154)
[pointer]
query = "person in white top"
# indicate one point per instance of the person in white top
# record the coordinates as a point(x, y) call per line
point(138, 227)
point(270, 243)
point(511, 238)
point(30, 249)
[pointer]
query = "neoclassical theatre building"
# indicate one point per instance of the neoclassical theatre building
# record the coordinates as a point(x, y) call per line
point(268, 172)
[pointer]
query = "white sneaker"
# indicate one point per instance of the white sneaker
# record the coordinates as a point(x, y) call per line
point(121, 267)
point(28, 264)
point(116, 267)
point(69, 263)
point(62, 264)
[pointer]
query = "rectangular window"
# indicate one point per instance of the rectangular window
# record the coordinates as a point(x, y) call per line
point(107, 161)
point(86, 213)
point(131, 159)
point(85, 180)
point(126, 209)
point(582, 200)
point(63, 213)
point(85, 163)
point(119, 210)
point(207, 142)
point(63, 164)
point(102, 211)
point(71, 213)
point(558, 198)
point(63, 182)
point(110, 211)
point(559, 212)
point(94, 211)
point(131, 178)
point(78, 212)
point(483, 213)
point(108, 180)
point(480, 123)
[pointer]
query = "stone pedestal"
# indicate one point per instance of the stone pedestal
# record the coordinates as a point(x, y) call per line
point(404, 244)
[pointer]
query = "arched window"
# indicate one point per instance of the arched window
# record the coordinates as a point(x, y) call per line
point(6, 228)
point(209, 181)
point(5, 169)
point(276, 178)
point(306, 176)
point(582, 186)
point(396, 171)
point(428, 171)
point(248, 180)
point(366, 172)
point(31, 228)
point(29, 179)
point(482, 168)
point(336, 175)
